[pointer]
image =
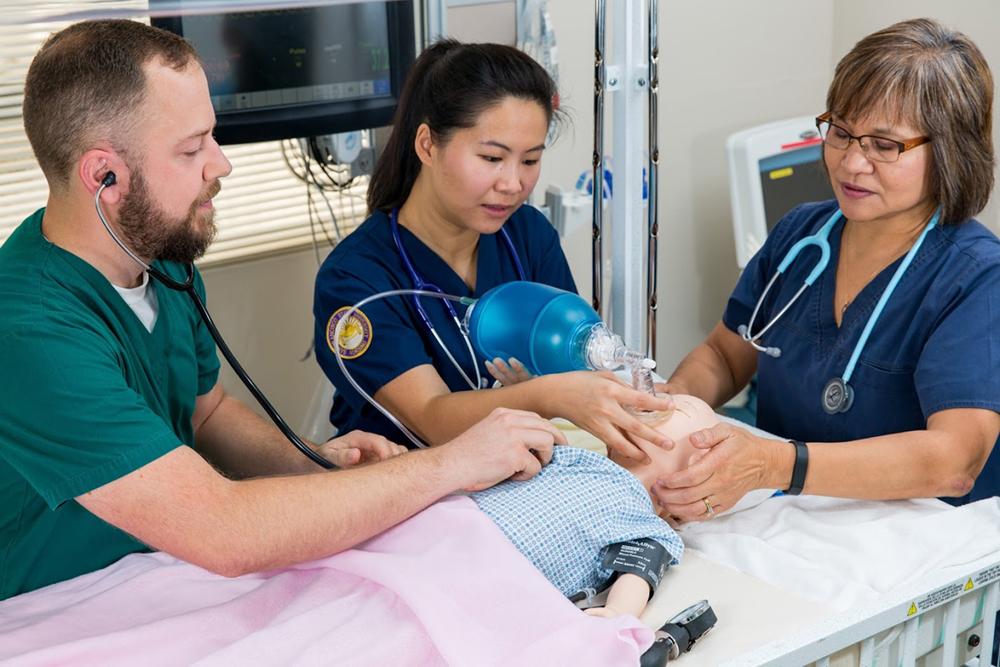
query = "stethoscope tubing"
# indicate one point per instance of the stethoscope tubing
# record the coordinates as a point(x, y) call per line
point(343, 367)
point(425, 288)
point(821, 240)
point(188, 286)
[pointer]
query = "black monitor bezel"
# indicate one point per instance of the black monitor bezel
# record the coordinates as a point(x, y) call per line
point(312, 119)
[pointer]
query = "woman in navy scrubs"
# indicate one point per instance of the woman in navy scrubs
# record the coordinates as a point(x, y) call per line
point(464, 155)
point(908, 132)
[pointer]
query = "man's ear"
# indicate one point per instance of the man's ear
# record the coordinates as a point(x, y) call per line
point(424, 144)
point(94, 167)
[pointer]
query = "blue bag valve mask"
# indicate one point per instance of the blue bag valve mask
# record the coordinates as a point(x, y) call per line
point(549, 330)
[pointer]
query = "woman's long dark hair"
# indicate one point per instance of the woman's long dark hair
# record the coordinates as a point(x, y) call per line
point(448, 87)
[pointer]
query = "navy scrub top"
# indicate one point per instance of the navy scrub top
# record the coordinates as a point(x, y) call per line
point(936, 345)
point(390, 335)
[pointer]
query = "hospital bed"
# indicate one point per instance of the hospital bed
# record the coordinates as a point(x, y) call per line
point(805, 580)
point(916, 608)
point(794, 581)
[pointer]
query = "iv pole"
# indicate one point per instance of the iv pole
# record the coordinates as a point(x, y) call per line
point(627, 81)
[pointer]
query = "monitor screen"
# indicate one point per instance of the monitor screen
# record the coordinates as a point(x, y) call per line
point(772, 169)
point(791, 178)
point(300, 72)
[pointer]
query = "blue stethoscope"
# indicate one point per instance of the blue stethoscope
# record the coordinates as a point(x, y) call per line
point(421, 284)
point(838, 395)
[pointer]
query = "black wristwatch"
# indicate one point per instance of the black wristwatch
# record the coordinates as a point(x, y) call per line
point(800, 468)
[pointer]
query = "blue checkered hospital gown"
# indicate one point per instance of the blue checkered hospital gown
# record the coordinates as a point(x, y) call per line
point(564, 518)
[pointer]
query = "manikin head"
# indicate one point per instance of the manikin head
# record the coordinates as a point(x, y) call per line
point(690, 414)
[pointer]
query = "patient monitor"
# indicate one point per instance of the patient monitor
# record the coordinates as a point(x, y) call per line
point(772, 169)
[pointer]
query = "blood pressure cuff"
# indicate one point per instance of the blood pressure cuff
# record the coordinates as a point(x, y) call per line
point(643, 557)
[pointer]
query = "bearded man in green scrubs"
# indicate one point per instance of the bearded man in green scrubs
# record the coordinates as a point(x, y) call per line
point(115, 434)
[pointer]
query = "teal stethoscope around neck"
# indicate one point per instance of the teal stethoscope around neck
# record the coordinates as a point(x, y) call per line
point(838, 395)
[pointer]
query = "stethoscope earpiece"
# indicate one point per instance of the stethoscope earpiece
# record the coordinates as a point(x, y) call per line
point(109, 179)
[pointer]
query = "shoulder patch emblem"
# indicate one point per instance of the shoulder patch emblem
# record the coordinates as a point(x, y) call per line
point(355, 335)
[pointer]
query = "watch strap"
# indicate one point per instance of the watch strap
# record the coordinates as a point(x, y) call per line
point(799, 469)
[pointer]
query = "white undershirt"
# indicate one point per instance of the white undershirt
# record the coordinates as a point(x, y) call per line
point(142, 301)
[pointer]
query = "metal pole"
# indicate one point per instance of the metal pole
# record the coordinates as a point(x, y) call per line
point(652, 174)
point(597, 160)
point(627, 228)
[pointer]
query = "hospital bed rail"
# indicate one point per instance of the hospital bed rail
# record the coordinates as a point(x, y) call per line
point(940, 621)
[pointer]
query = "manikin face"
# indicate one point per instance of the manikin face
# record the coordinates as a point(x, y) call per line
point(485, 172)
point(892, 192)
point(175, 167)
point(690, 414)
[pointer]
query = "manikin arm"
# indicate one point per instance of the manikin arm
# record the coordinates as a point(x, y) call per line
point(591, 400)
point(628, 595)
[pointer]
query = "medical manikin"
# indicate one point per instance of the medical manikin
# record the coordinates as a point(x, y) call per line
point(586, 521)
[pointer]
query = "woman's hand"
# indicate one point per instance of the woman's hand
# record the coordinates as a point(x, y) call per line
point(595, 402)
point(358, 447)
point(669, 387)
point(737, 462)
point(508, 375)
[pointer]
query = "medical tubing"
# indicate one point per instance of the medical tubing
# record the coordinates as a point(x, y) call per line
point(777, 317)
point(472, 355)
point(107, 226)
point(454, 361)
point(886, 293)
point(343, 368)
point(188, 286)
point(264, 403)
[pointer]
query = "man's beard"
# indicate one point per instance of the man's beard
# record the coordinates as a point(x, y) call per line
point(152, 234)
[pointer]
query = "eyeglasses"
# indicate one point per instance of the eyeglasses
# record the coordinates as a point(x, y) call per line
point(875, 148)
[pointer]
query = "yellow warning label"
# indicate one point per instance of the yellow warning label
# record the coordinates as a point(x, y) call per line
point(968, 586)
point(781, 173)
point(913, 610)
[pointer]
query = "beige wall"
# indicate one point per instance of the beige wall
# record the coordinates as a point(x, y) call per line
point(264, 311)
point(725, 66)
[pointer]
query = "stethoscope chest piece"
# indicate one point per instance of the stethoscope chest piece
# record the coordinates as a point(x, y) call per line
point(838, 396)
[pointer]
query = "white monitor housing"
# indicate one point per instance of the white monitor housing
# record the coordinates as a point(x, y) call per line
point(772, 169)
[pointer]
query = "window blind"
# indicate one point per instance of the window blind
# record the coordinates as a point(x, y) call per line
point(263, 207)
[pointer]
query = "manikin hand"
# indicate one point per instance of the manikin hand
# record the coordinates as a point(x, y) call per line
point(506, 374)
point(507, 444)
point(736, 463)
point(358, 447)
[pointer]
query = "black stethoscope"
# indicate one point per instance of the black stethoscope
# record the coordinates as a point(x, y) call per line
point(188, 286)
point(838, 395)
point(421, 284)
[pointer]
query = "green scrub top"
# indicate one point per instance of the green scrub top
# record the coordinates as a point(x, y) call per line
point(87, 395)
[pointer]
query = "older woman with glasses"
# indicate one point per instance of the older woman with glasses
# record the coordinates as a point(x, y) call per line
point(885, 371)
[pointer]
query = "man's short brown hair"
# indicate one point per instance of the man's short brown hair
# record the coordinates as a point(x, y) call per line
point(936, 79)
point(86, 84)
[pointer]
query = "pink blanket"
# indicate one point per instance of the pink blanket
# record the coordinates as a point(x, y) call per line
point(443, 588)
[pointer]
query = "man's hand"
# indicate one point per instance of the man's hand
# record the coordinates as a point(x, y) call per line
point(508, 444)
point(358, 447)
